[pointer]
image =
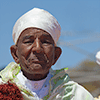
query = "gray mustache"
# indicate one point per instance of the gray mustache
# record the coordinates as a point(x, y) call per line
point(38, 57)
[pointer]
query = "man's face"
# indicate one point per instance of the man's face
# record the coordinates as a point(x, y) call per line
point(35, 51)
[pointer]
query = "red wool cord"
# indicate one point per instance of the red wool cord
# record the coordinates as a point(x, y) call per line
point(10, 91)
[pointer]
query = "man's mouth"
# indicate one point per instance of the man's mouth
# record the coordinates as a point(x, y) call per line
point(35, 61)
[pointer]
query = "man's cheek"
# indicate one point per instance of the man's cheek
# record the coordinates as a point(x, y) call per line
point(49, 50)
point(23, 52)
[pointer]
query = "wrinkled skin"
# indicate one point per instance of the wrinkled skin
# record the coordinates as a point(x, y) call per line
point(36, 53)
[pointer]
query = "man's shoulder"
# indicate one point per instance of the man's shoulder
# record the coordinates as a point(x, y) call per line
point(61, 73)
point(59, 77)
point(61, 82)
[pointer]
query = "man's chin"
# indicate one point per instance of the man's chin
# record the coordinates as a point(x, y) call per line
point(37, 68)
point(36, 71)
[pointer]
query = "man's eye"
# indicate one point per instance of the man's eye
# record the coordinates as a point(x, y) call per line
point(28, 42)
point(46, 42)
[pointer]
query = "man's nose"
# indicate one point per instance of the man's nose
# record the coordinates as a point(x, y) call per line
point(37, 46)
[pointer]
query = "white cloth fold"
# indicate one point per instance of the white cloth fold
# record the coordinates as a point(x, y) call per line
point(41, 87)
point(37, 18)
point(98, 57)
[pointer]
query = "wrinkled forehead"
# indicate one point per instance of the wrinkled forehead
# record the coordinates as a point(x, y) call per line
point(35, 32)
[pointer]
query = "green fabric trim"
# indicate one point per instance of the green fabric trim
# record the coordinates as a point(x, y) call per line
point(9, 74)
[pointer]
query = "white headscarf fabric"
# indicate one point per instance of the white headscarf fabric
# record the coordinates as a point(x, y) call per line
point(37, 18)
point(98, 57)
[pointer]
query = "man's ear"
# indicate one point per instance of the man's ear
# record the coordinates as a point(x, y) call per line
point(14, 53)
point(58, 52)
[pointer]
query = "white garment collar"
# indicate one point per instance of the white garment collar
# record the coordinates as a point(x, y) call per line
point(32, 85)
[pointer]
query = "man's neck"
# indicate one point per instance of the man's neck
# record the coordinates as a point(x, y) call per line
point(34, 77)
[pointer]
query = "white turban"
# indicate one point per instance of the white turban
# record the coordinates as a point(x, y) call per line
point(37, 18)
point(98, 57)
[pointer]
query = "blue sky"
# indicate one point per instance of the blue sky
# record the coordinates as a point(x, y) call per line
point(79, 20)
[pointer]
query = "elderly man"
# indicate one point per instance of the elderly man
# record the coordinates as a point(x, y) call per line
point(35, 35)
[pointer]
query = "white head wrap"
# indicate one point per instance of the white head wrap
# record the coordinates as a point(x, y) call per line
point(37, 18)
point(98, 57)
